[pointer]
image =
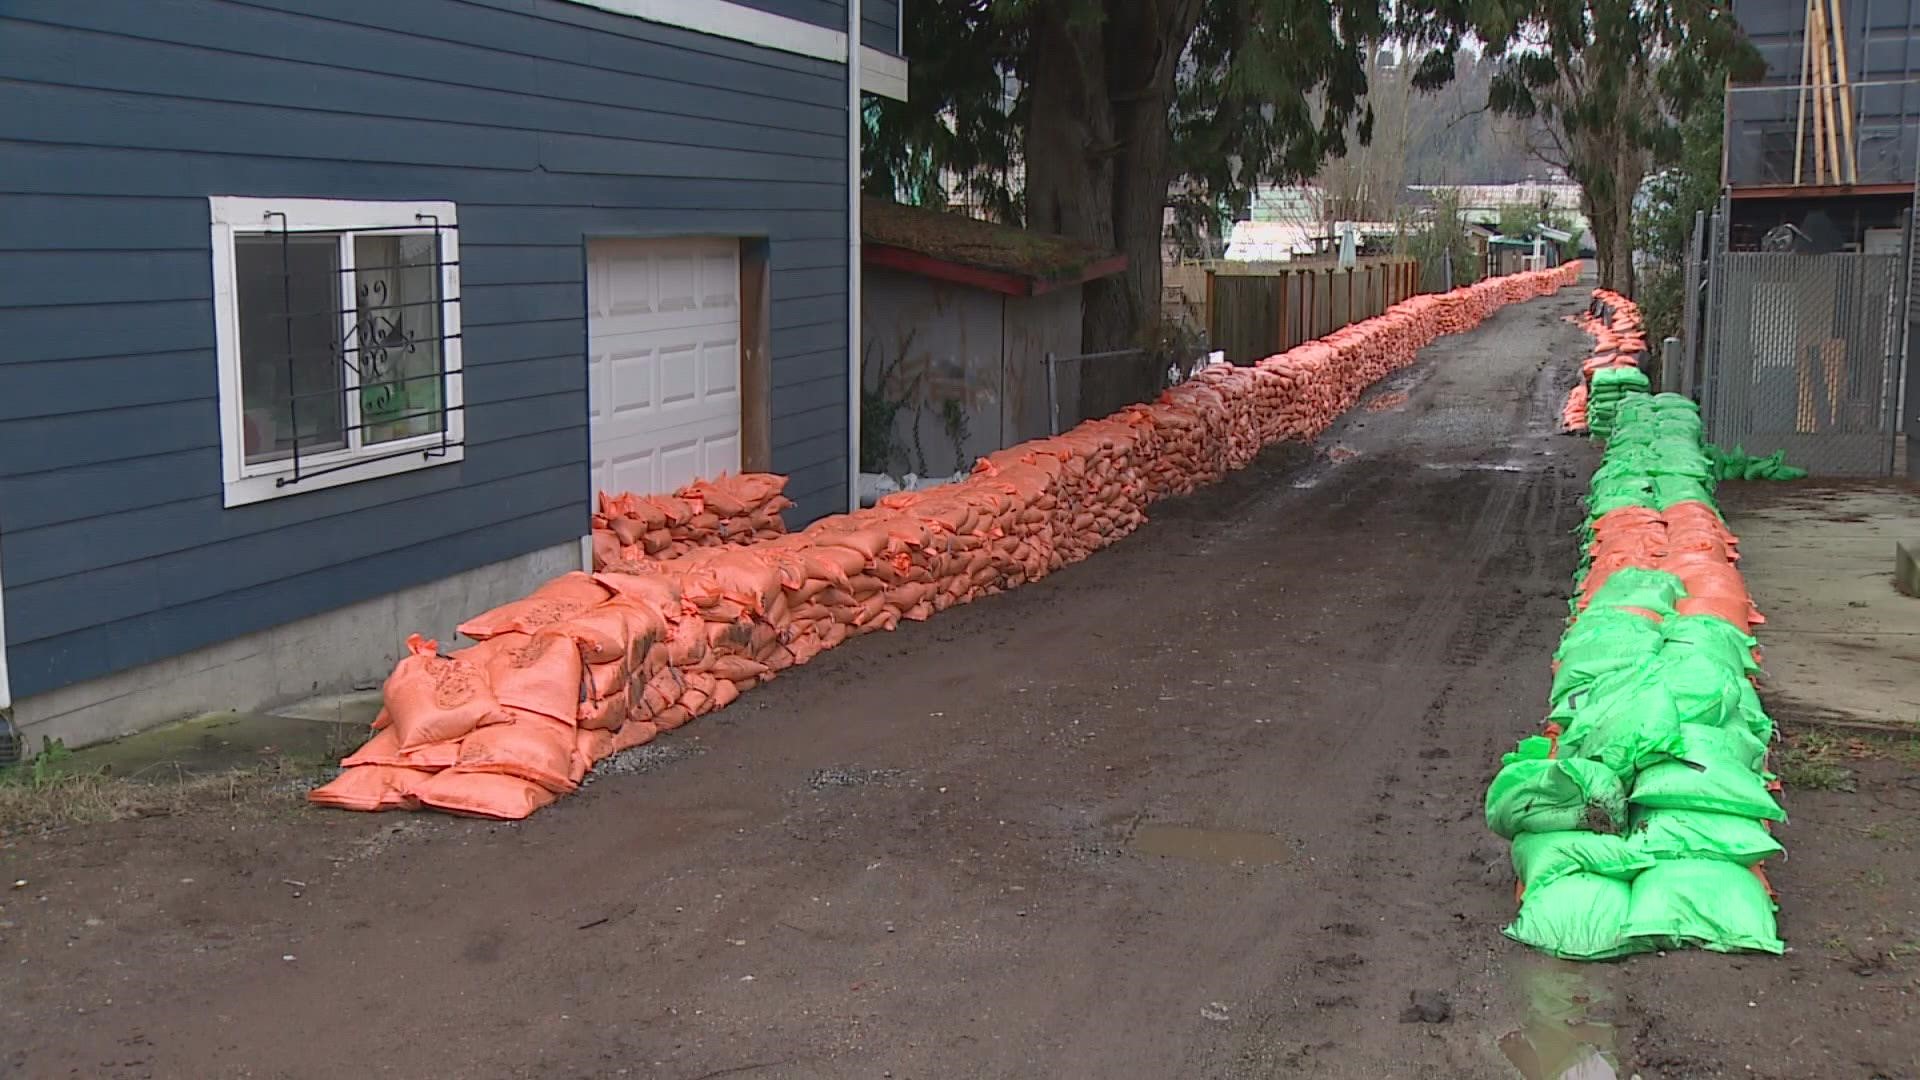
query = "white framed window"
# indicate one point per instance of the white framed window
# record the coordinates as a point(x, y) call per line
point(337, 328)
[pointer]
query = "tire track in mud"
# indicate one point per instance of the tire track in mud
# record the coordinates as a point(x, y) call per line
point(1334, 1011)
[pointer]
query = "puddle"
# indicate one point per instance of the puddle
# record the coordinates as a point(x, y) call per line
point(1471, 466)
point(1565, 1036)
point(1224, 846)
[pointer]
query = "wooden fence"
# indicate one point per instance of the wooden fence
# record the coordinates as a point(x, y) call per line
point(1254, 315)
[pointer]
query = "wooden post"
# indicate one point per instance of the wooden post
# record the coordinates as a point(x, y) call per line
point(1806, 77)
point(1280, 309)
point(1850, 157)
point(1286, 331)
point(1825, 139)
point(1213, 329)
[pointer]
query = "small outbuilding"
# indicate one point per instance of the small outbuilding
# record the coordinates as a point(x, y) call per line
point(959, 318)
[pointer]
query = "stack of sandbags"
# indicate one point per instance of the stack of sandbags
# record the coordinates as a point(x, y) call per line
point(727, 510)
point(705, 596)
point(1573, 414)
point(1607, 387)
point(1642, 814)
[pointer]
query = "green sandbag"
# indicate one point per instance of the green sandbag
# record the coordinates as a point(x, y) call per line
point(1718, 785)
point(1727, 643)
point(1750, 714)
point(1711, 903)
point(1737, 464)
point(1542, 858)
point(1634, 586)
point(1603, 631)
point(1668, 490)
point(1696, 834)
point(1732, 742)
point(1578, 917)
point(1626, 720)
point(1614, 379)
point(1701, 690)
point(1540, 794)
point(1600, 642)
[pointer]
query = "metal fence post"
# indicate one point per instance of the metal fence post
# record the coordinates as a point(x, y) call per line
point(1053, 393)
point(1670, 364)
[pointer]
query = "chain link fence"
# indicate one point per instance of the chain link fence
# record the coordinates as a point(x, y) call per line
point(1804, 353)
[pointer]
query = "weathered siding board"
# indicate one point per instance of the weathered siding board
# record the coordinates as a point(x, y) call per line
point(879, 19)
point(102, 650)
point(880, 22)
point(545, 121)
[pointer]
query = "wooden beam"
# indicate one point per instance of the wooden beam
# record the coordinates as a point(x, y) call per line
point(1814, 191)
point(889, 257)
point(1851, 154)
point(1806, 74)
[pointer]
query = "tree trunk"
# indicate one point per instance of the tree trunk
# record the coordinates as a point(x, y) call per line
point(1097, 148)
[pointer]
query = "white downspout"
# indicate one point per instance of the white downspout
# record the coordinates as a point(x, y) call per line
point(854, 132)
point(6, 693)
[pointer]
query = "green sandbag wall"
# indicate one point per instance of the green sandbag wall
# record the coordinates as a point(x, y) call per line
point(1642, 814)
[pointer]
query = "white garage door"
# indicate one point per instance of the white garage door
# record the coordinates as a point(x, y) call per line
point(663, 362)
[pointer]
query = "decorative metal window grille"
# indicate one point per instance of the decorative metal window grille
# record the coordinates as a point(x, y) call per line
point(351, 353)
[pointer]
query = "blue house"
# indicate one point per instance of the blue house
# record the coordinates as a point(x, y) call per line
point(324, 319)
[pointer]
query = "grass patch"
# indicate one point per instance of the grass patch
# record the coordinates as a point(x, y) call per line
point(1810, 761)
point(50, 793)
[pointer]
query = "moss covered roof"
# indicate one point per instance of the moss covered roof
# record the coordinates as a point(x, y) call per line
point(983, 245)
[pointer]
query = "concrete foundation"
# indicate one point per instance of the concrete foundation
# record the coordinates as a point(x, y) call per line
point(352, 648)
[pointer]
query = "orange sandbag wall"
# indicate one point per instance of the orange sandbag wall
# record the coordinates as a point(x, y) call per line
point(591, 664)
point(728, 511)
point(1619, 340)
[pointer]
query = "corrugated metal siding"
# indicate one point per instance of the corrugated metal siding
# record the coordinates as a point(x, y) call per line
point(1881, 39)
point(879, 19)
point(544, 121)
point(1883, 49)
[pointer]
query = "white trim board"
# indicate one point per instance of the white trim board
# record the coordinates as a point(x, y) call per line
point(244, 483)
point(6, 693)
point(879, 72)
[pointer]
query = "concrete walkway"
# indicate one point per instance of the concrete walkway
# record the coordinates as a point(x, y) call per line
point(1818, 557)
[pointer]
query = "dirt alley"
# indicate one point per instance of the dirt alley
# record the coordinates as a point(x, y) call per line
point(934, 853)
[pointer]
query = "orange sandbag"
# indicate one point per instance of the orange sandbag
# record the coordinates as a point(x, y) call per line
point(652, 590)
point(634, 733)
point(433, 698)
point(541, 675)
point(384, 749)
point(562, 598)
point(737, 668)
point(606, 715)
point(482, 794)
point(589, 746)
point(371, 787)
point(1736, 610)
point(618, 630)
point(530, 746)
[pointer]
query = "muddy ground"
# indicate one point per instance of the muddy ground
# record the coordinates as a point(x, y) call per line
point(1207, 805)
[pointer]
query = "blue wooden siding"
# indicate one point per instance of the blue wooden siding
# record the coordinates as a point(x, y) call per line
point(879, 19)
point(544, 121)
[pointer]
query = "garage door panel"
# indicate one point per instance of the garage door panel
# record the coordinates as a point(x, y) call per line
point(722, 454)
point(679, 375)
point(720, 367)
point(632, 375)
point(664, 349)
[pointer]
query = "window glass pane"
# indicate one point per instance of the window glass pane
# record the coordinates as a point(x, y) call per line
point(396, 340)
point(291, 383)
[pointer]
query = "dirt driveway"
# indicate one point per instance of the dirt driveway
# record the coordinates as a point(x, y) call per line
point(1205, 806)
